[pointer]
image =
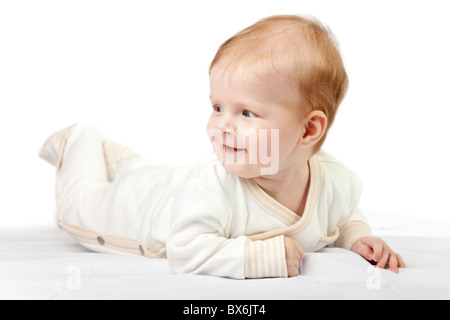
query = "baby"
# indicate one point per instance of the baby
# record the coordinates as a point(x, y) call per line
point(251, 207)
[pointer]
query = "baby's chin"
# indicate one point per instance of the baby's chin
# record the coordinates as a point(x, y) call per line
point(245, 171)
point(242, 170)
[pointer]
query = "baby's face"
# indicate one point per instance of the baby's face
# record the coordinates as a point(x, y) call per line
point(252, 131)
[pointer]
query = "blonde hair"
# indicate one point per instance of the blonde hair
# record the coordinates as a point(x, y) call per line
point(302, 50)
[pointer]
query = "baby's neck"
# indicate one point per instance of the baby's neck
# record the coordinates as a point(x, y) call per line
point(289, 187)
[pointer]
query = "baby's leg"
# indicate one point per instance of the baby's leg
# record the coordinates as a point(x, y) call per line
point(84, 195)
point(121, 160)
point(103, 213)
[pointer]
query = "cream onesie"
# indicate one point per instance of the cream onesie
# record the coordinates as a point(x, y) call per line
point(204, 220)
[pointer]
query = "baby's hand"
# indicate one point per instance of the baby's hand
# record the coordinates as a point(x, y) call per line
point(375, 249)
point(294, 253)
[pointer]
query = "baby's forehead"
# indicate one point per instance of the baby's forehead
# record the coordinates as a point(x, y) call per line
point(249, 75)
point(245, 84)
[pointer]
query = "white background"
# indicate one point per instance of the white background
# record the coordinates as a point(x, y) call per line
point(139, 70)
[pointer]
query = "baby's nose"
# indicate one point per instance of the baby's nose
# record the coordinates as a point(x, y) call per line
point(227, 125)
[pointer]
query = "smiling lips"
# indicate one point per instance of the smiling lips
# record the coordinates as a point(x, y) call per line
point(231, 149)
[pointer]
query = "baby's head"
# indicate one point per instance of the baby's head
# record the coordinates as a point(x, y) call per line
point(287, 65)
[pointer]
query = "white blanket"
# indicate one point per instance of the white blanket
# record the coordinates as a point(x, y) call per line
point(45, 263)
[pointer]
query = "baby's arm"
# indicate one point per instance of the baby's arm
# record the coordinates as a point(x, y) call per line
point(206, 239)
point(201, 244)
point(352, 228)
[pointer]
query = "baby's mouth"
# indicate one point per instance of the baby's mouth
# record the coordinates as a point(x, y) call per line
point(230, 149)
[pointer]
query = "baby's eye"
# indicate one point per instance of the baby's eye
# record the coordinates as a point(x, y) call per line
point(217, 109)
point(248, 114)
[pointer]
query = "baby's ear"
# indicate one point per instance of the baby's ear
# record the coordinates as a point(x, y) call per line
point(315, 126)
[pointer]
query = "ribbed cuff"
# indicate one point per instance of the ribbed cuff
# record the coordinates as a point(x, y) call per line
point(114, 152)
point(265, 258)
point(351, 232)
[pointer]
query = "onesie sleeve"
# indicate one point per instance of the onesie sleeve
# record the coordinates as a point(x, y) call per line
point(265, 258)
point(203, 237)
point(354, 228)
point(353, 225)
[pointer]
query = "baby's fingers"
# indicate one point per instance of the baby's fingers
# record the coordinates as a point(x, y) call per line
point(393, 263)
point(378, 251)
point(381, 263)
point(401, 264)
point(300, 250)
point(399, 260)
point(366, 252)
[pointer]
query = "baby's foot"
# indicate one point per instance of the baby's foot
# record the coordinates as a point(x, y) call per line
point(51, 148)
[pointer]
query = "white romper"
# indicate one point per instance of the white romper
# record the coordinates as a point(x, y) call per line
point(204, 220)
